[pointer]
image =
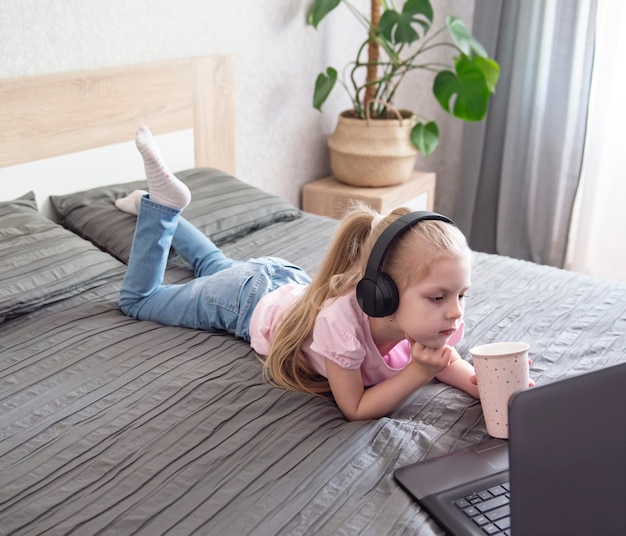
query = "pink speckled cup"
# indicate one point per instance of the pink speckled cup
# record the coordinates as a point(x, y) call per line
point(501, 369)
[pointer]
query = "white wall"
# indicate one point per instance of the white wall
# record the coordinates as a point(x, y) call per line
point(280, 138)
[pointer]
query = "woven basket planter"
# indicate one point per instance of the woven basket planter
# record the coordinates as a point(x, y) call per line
point(372, 152)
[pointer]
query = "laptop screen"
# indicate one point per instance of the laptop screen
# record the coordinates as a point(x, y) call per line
point(563, 467)
point(567, 455)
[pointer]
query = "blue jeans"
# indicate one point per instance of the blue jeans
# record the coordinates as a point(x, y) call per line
point(224, 292)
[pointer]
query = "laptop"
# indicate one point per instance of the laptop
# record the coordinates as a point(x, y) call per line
point(561, 472)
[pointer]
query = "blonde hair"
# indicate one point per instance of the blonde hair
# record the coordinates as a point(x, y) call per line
point(342, 268)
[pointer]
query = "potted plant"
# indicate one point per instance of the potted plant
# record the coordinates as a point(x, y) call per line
point(396, 42)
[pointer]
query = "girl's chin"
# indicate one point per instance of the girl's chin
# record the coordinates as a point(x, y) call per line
point(436, 342)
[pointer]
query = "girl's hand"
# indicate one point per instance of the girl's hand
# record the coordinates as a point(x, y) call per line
point(432, 360)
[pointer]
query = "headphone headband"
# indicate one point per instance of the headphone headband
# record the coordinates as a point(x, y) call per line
point(376, 293)
point(388, 236)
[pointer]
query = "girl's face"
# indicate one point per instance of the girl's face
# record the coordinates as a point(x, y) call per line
point(431, 311)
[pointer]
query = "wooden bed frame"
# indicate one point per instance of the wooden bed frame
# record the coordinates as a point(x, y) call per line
point(57, 114)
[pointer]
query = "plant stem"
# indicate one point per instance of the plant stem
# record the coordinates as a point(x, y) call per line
point(372, 54)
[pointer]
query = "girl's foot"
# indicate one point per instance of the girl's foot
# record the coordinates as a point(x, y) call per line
point(131, 202)
point(163, 186)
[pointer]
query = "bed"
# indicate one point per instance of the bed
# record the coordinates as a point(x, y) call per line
point(115, 426)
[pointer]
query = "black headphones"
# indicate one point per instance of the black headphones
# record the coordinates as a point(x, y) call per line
point(377, 293)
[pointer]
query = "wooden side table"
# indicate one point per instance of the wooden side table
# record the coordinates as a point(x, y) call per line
point(329, 197)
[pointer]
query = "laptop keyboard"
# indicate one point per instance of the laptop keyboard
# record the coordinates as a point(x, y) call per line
point(489, 509)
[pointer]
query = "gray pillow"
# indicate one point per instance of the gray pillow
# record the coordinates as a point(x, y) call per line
point(222, 207)
point(41, 262)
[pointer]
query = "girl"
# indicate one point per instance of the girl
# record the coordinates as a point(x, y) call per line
point(314, 333)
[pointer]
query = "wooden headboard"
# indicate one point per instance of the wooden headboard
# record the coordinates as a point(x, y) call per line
point(56, 114)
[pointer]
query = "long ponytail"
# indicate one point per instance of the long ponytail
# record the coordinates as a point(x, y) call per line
point(343, 266)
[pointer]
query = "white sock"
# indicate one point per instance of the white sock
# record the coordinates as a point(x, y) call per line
point(163, 186)
point(130, 203)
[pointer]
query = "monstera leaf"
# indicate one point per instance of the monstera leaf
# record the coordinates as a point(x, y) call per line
point(465, 92)
point(402, 26)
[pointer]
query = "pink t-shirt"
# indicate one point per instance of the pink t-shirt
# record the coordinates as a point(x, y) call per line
point(341, 334)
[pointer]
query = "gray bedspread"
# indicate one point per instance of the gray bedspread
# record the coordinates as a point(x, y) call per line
point(114, 426)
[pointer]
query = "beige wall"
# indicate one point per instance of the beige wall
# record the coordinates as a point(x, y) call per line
point(280, 138)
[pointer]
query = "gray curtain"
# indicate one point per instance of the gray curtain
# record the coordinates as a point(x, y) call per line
point(522, 164)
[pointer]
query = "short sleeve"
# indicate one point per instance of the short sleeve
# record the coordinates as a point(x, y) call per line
point(399, 356)
point(334, 340)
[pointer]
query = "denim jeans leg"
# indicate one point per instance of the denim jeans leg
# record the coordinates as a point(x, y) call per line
point(143, 296)
point(152, 240)
point(198, 250)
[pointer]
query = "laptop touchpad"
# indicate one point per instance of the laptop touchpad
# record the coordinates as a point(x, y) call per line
point(494, 452)
point(438, 474)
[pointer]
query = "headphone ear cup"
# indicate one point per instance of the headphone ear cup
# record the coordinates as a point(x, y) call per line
point(387, 297)
point(378, 297)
